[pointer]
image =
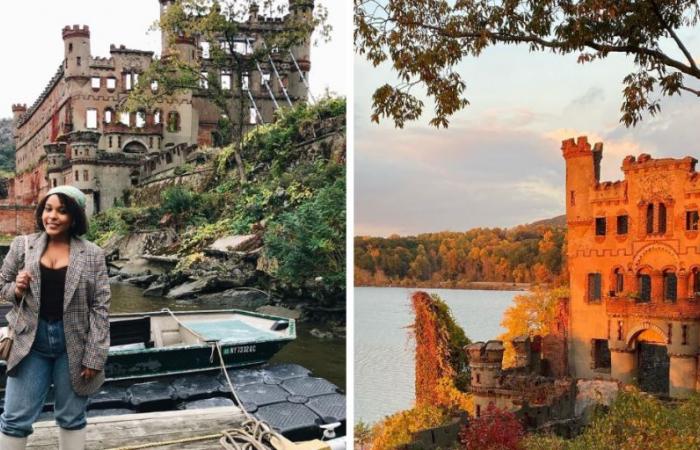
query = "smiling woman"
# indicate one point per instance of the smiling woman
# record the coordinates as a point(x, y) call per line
point(65, 278)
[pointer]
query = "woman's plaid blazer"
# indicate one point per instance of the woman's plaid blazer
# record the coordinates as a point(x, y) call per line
point(86, 303)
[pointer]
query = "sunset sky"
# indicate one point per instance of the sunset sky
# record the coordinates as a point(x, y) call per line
point(499, 163)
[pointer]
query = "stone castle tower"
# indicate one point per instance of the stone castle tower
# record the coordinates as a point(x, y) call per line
point(634, 265)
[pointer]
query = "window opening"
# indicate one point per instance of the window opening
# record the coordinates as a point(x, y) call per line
point(622, 224)
point(644, 288)
point(650, 218)
point(91, 119)
point(95, 82)
point(111, 83)
point(662, 218)
point(594, 286)
point(670, 286)
point(691, 220)
point(600, 226)
point(601, 354)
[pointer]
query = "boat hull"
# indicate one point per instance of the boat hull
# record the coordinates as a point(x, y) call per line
point(158, 362)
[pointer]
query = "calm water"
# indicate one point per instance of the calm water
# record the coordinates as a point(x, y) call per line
point(324, 357)
point(384, 364)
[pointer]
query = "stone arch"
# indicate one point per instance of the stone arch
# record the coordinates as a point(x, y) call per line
point(639, 329)
point(134, 146)
point(664, 253)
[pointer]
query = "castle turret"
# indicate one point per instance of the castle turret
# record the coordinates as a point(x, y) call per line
point(300, 12)
point(184, 46)
point(76, 42)
point(18, 111)
point(582, 174)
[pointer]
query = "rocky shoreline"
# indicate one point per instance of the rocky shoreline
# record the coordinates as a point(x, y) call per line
point(232, 271)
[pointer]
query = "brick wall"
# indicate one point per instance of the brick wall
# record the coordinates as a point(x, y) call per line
point(14, 221)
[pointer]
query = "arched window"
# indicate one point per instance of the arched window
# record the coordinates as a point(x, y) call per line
point(650, 218)
point(173, 123)
point(644, 287)
point(670, 286)
point(695, 274)
point(157, 116)
point(662, 218)
point(619, 280)
point(109, 115)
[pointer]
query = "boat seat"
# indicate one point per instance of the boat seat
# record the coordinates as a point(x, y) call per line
point(131, 331)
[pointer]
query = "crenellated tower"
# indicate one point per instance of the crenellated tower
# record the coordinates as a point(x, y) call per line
point(76, 50)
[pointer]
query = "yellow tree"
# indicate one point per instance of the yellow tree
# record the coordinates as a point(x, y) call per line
point(531, 314)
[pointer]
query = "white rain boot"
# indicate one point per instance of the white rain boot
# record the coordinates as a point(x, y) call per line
point(71, 439)
point(12, 443)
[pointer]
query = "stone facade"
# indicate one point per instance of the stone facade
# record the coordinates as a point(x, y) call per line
point(634, 265)
point(529, 388)
point(74, 133)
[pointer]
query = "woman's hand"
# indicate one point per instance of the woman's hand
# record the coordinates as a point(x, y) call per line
point(88, 374)
point(22, 283)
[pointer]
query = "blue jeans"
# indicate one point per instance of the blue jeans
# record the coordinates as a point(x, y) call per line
point(46, 364)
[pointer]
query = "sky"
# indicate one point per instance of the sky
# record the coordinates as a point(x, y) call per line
point(32, 46)
point(499, 163)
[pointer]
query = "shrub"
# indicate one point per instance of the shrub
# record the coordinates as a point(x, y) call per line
point(309, 242)
point(494, 430)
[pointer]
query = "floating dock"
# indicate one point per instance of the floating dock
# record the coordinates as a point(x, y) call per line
point(286, 396)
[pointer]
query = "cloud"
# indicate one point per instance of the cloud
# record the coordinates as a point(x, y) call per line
point(419, 180)
point(593, 95)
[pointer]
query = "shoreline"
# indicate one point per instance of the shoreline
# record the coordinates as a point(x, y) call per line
point(471, 286)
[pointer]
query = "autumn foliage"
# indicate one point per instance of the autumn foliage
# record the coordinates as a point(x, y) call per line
point(532, 313)
point(524, 254)
point(440, 364)
point(440, 357)
point(494, 430)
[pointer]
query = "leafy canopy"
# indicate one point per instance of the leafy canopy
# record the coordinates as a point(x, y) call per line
point(425, 40)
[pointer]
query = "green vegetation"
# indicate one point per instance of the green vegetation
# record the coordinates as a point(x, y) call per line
point(294, 196)
point(634, 421)
point(7, 149)
point(526, 254)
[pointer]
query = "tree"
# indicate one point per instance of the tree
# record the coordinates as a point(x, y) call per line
point(531, 314)
point(426, 39)
point(218, 26)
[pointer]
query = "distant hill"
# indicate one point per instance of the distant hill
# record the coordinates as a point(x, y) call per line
point(7, 148)
point(554, 222)
point(530, 253)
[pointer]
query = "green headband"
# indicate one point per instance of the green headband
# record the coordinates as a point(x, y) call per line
point(72, 192)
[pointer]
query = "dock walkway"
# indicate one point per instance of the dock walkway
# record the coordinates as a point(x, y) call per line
point(113, 432)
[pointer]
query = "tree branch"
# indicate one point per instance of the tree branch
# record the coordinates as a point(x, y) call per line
point(673, 34)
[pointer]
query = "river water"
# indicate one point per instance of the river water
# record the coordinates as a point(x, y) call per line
point(324, 357)
point(384, 362)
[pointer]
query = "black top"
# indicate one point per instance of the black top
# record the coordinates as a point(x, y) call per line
point(53, 282)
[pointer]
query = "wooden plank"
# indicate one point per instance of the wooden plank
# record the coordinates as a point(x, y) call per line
point(111, 432)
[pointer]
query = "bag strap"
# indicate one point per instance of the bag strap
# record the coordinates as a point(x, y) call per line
point(21, 303)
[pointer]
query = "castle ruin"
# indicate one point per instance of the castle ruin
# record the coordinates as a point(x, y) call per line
point(75, 132)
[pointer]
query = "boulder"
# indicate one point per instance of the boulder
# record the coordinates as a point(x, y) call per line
point(143, 280)
point(279, 311)
point(155, 290)
point(236, 243)
point(236, 298)
point(190, 289)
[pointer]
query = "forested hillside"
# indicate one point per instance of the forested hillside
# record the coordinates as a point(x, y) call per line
point(523, 254)
point(7, 148)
